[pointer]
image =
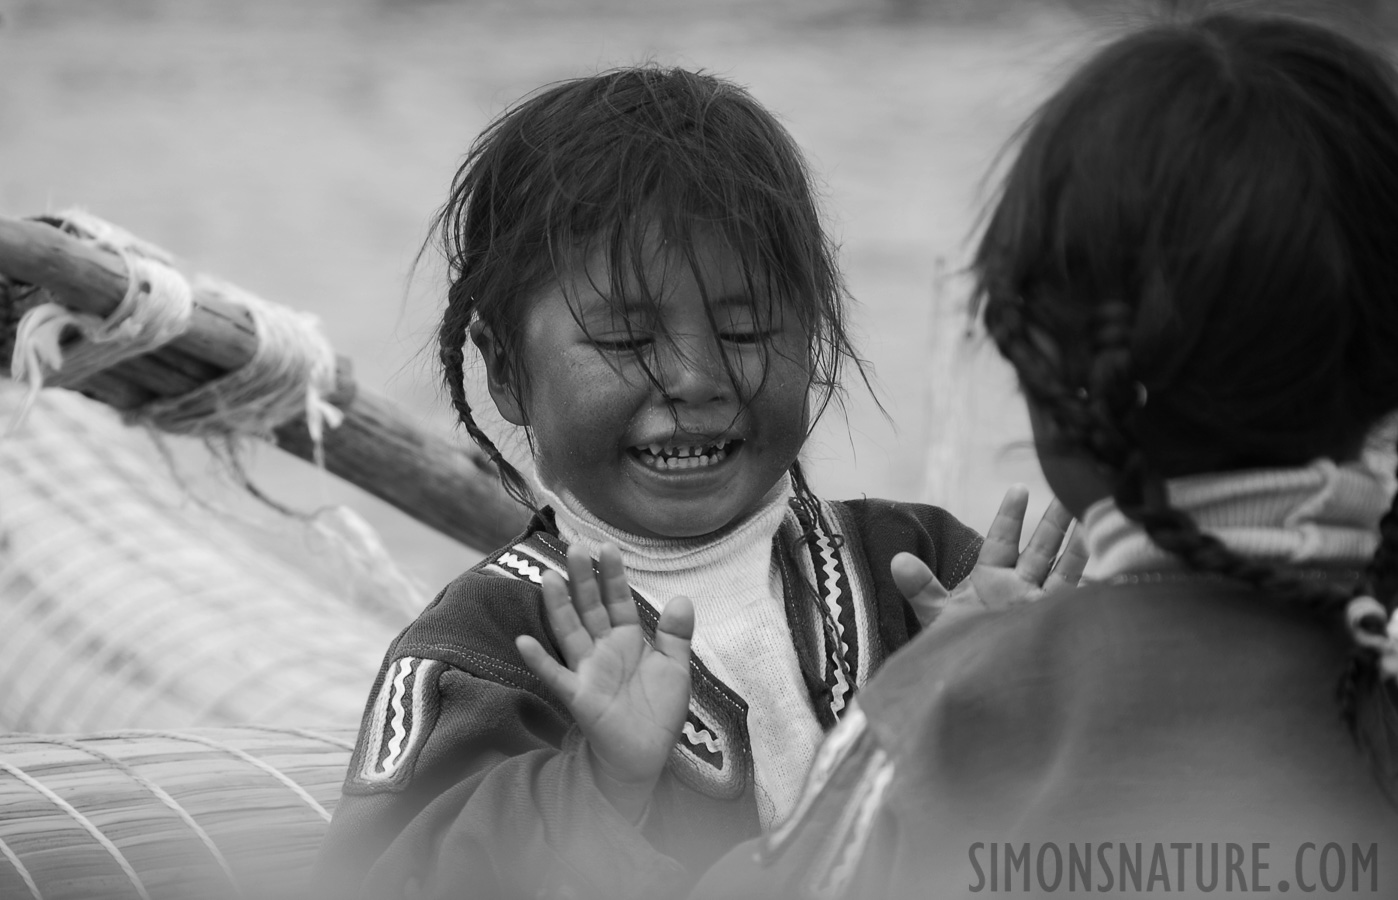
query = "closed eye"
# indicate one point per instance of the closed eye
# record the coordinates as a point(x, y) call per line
point(624, 345)
point(745, 337)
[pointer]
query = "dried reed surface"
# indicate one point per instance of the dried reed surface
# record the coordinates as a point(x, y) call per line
point(207, 813)
point(124, 603)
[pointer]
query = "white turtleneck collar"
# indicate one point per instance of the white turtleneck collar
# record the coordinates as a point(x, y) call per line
point(1321, 514)
point(749, 537)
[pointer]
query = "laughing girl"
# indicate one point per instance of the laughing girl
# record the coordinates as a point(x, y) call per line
point(638, 259)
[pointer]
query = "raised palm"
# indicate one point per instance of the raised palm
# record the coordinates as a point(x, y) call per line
point(629, 698)
point(1004, 575)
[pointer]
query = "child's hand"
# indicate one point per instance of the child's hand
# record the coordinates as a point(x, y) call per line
point(629, 699)
point(1003, 576)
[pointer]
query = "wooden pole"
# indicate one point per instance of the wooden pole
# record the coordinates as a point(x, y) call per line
point(431, 479)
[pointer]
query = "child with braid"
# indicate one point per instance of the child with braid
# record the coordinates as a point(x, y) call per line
point(638, 259)
point(1193, 267)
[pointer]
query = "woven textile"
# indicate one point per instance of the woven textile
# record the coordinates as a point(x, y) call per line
point(124, 604)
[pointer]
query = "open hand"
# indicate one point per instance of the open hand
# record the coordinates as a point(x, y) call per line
point(629, 698)
point(1003, 576)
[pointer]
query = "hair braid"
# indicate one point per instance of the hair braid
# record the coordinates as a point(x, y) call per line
point(1096, 417)
point(451, 351)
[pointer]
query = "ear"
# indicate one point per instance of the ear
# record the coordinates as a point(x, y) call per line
point(497, 374)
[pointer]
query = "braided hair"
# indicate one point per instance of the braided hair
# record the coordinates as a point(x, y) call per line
point(1191, 268)
point(606, 165)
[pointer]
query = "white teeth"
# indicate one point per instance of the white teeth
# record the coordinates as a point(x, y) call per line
point(688, 456)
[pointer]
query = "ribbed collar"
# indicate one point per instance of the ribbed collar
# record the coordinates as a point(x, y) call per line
point(752, 535)
point(1324, 514)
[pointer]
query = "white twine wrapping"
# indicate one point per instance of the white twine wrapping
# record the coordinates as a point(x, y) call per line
point(154, 311)
point(290, 374)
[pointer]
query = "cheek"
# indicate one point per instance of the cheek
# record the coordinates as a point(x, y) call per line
point(1072, 475)
point(580, 406)
point(784, 368)
point(784, 401)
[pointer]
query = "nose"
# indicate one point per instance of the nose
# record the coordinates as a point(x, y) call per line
point(692, 371)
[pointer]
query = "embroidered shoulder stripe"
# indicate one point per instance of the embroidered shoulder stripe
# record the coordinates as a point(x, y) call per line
point(860, 612)
point(830, 571)
point(849, 639)
point(403, 715)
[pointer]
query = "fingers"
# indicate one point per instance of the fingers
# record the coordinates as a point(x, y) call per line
point(556, 678)
point(616, 592)
point(587, 593)
point(585, 608)
point(1001, 547)
point(1068, 571)
point(919, 586)
point(675, 629)
point(574, 640)
point(1037, 559)
point(914, 579)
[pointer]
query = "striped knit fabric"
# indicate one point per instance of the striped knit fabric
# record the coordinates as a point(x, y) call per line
point(1320, 514)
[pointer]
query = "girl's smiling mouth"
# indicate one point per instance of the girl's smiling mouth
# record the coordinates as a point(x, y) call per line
point(677, 457)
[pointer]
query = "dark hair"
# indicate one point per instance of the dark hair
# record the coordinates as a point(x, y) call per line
point(608, 164)
point(1205, 214)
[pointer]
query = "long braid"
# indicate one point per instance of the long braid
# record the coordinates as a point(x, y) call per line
point(1140, 493)
point(1095, 417)
point(451, 351)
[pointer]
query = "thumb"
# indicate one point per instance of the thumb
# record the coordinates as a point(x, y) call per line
point(918, 585)
point(675, 629)
point(559, 679)
point(914, 578)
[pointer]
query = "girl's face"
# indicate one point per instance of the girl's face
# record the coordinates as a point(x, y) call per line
point(693, 450)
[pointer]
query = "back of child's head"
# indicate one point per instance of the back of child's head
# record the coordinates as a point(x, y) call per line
point(1193, 268)
point(609, 167)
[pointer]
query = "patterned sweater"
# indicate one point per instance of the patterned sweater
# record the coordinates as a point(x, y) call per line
point(471, 779)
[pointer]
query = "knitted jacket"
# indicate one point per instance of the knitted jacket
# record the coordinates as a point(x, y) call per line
point(471, 779)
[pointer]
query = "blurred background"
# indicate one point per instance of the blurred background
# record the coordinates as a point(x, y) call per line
point(299, 148)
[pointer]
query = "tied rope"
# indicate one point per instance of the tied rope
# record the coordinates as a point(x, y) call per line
point(154, 311)
point(290, 374)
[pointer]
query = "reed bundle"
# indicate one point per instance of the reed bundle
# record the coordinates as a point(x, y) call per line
point(211, 813)
point(123, 604)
